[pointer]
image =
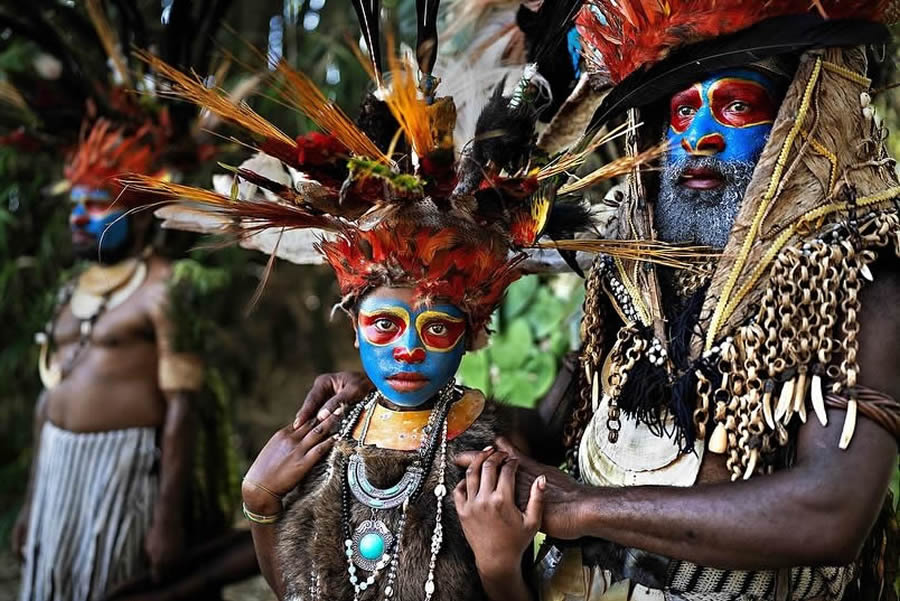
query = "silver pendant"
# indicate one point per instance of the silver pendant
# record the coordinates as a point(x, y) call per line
point(381, 498)
point(371, 545)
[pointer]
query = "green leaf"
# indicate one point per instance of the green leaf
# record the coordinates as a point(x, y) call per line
point(559, 342)
point(541, 369)
point(518, 297)
point(546, 313)
point(524, 387)
point(475, 371)
point(512, 346)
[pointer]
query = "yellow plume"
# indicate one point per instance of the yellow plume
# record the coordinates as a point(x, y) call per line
point(408, 109)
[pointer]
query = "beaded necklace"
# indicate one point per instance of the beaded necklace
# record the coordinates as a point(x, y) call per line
point(371, 546)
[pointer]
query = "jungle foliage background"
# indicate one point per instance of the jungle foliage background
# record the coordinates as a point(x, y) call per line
point(271, 355)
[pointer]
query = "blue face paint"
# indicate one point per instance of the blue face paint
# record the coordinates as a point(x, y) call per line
point(409, 353)
point(91, 215)
point(573, 45)
point(729, 116)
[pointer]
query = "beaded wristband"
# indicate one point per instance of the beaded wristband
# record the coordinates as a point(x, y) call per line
point(258, 518)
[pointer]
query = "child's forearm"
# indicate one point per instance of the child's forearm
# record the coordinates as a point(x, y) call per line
point(507, 586)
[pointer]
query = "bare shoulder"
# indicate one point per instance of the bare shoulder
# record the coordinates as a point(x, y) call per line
point(159, 269)
point(156, 288)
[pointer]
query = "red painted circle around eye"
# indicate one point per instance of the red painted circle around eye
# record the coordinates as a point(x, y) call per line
point(689, 100)
point(381, 328)
point(442, 334)
point(741, 102)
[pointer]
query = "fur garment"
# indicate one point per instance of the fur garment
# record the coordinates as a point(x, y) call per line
point(310, 538)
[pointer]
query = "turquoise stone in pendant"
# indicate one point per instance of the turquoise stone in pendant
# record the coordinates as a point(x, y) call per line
point(371, 546)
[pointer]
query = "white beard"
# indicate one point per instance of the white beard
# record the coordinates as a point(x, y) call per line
point(702, 217)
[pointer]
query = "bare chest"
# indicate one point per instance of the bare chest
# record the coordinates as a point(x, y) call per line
point(124, 324)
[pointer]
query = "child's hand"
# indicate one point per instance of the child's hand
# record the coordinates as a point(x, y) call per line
point(285, 460)
point(498, 532)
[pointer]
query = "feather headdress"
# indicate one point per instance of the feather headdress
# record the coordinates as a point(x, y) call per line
point(648, 48)
point(390, 219)
point(106, 151)
point(388, 212)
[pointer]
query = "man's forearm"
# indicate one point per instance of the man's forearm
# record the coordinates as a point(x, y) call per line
point(817, 513)
point(730, 526)
point(176, 450)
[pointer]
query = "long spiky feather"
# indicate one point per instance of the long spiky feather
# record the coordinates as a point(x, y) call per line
point(252, 215)
point(10, 95)
point(369, 14)
point(572, 159)
point(618, 167)
point(406, 106)
point(193, 89)
point(302, 94)
point(109, 39)
point(681, 257)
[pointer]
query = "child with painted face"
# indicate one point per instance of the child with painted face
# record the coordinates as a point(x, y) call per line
point(379, 510)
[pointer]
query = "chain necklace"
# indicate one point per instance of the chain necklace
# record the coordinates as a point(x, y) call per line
point(371, 546)
point(51, 375)
point(88, 312)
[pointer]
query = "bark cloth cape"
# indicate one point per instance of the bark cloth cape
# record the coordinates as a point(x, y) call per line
point(86, 101)
point(776, 316)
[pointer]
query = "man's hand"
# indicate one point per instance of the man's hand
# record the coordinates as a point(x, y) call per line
point(330, 392)
point(562, 497)
point(498, 532)
point(164, 546)
point(285, 461)
point(20, 533)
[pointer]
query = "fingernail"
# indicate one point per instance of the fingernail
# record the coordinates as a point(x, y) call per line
point(490, 447)
point(339, 410)
point(323, 414)
point(296, 422)
point(542, 482)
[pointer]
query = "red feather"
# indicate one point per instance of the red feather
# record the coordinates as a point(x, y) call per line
point(437, 263)
point(624, 36)
point(106, 152)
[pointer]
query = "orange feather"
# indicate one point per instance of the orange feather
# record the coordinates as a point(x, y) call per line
point(624, 36)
